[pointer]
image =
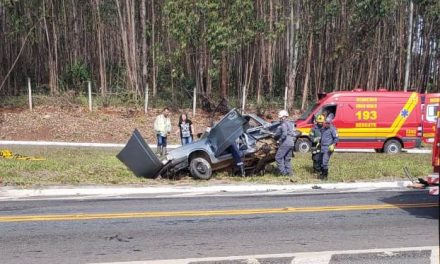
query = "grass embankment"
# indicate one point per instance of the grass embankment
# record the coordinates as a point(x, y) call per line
point(73, 166)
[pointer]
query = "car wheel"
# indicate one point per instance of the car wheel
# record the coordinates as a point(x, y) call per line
point(392, 147)
point(200, 168)
point(303, 145)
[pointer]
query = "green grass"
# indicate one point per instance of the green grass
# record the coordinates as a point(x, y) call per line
point(74, 166)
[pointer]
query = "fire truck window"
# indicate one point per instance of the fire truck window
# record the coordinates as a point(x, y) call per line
point(431, 113)
point(330, 110)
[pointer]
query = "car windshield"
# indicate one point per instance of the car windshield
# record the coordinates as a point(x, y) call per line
point(308, 111)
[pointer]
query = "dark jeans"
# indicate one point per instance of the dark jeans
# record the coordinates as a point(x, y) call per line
point(235, 154)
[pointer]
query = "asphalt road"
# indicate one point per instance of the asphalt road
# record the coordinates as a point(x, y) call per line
point(137, 229)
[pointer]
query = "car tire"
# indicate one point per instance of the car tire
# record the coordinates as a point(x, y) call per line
point(200, 168)
point(303, 145)
point(392, 147)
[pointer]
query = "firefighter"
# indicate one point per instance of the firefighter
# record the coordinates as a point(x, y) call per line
point(285, 134)
point(315, 136)
point(329, 138)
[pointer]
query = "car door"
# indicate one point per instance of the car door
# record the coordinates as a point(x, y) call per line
point(225, 132)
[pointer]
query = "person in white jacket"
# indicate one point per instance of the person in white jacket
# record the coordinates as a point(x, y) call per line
point(162, 126)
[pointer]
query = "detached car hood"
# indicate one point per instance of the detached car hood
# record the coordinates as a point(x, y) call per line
point(139, 157)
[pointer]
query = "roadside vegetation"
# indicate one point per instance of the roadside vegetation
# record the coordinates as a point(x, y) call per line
point(79, 166)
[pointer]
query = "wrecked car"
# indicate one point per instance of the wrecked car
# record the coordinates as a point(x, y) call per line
point(207, 154)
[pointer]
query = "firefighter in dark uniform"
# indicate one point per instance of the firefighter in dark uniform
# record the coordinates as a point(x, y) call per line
point(329, 138)
point(286, 136)
point(315, 136)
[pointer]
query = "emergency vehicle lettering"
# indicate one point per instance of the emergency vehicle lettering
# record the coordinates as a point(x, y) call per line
point(366, 106)
point(411, 132)
point(434, 100)
point(366, 99)
point(366, 115)
point(365, 125)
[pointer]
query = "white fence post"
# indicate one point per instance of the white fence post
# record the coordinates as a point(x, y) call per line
point(243, 102)
point(30, 93)
point(285, 98)
point(90, 95)
point(194, 101)
point(146, 99)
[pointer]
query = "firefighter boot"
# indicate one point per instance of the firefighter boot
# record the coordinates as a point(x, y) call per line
point(324, 174)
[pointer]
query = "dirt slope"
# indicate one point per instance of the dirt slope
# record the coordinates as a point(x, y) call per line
point(76, 124)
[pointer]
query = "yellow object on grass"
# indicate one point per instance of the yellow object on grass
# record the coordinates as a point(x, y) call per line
point(7, 154)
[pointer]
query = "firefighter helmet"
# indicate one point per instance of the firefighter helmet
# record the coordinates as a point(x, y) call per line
point(320, 119)
point(283, 113)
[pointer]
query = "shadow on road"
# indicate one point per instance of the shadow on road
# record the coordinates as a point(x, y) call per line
point(404, 199)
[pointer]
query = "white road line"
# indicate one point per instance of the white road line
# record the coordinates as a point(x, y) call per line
point(315, 259)
point(322, 257)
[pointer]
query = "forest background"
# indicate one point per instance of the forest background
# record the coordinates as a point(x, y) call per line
point(218, 47)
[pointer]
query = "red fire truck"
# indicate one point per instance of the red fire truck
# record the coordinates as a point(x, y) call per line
point(432, 181)
point(430, 103)
point(381, 120)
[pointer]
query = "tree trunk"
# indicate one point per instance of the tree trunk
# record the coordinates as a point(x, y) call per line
point(101, 51)
point(409, 47)
point(293, 55)
point(153, 48)
point(224, 75)
point(143, 14)
point(306, 81)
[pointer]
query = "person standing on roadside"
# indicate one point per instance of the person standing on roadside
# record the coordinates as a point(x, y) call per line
point(285, 134)
point(162, 126)
point(315, 136)
point(186, 129)
point(329, 138)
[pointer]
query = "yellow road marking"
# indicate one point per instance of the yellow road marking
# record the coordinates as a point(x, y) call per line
point(155, 214)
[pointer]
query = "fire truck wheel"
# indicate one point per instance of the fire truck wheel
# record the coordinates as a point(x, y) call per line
point(200, 168)
point(392, 147)
point(303, 145)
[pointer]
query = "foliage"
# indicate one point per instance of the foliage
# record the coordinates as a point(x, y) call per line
point(75, 76)
point(359, 42)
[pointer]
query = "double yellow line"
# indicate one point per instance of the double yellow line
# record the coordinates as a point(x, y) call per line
point(156, 214)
